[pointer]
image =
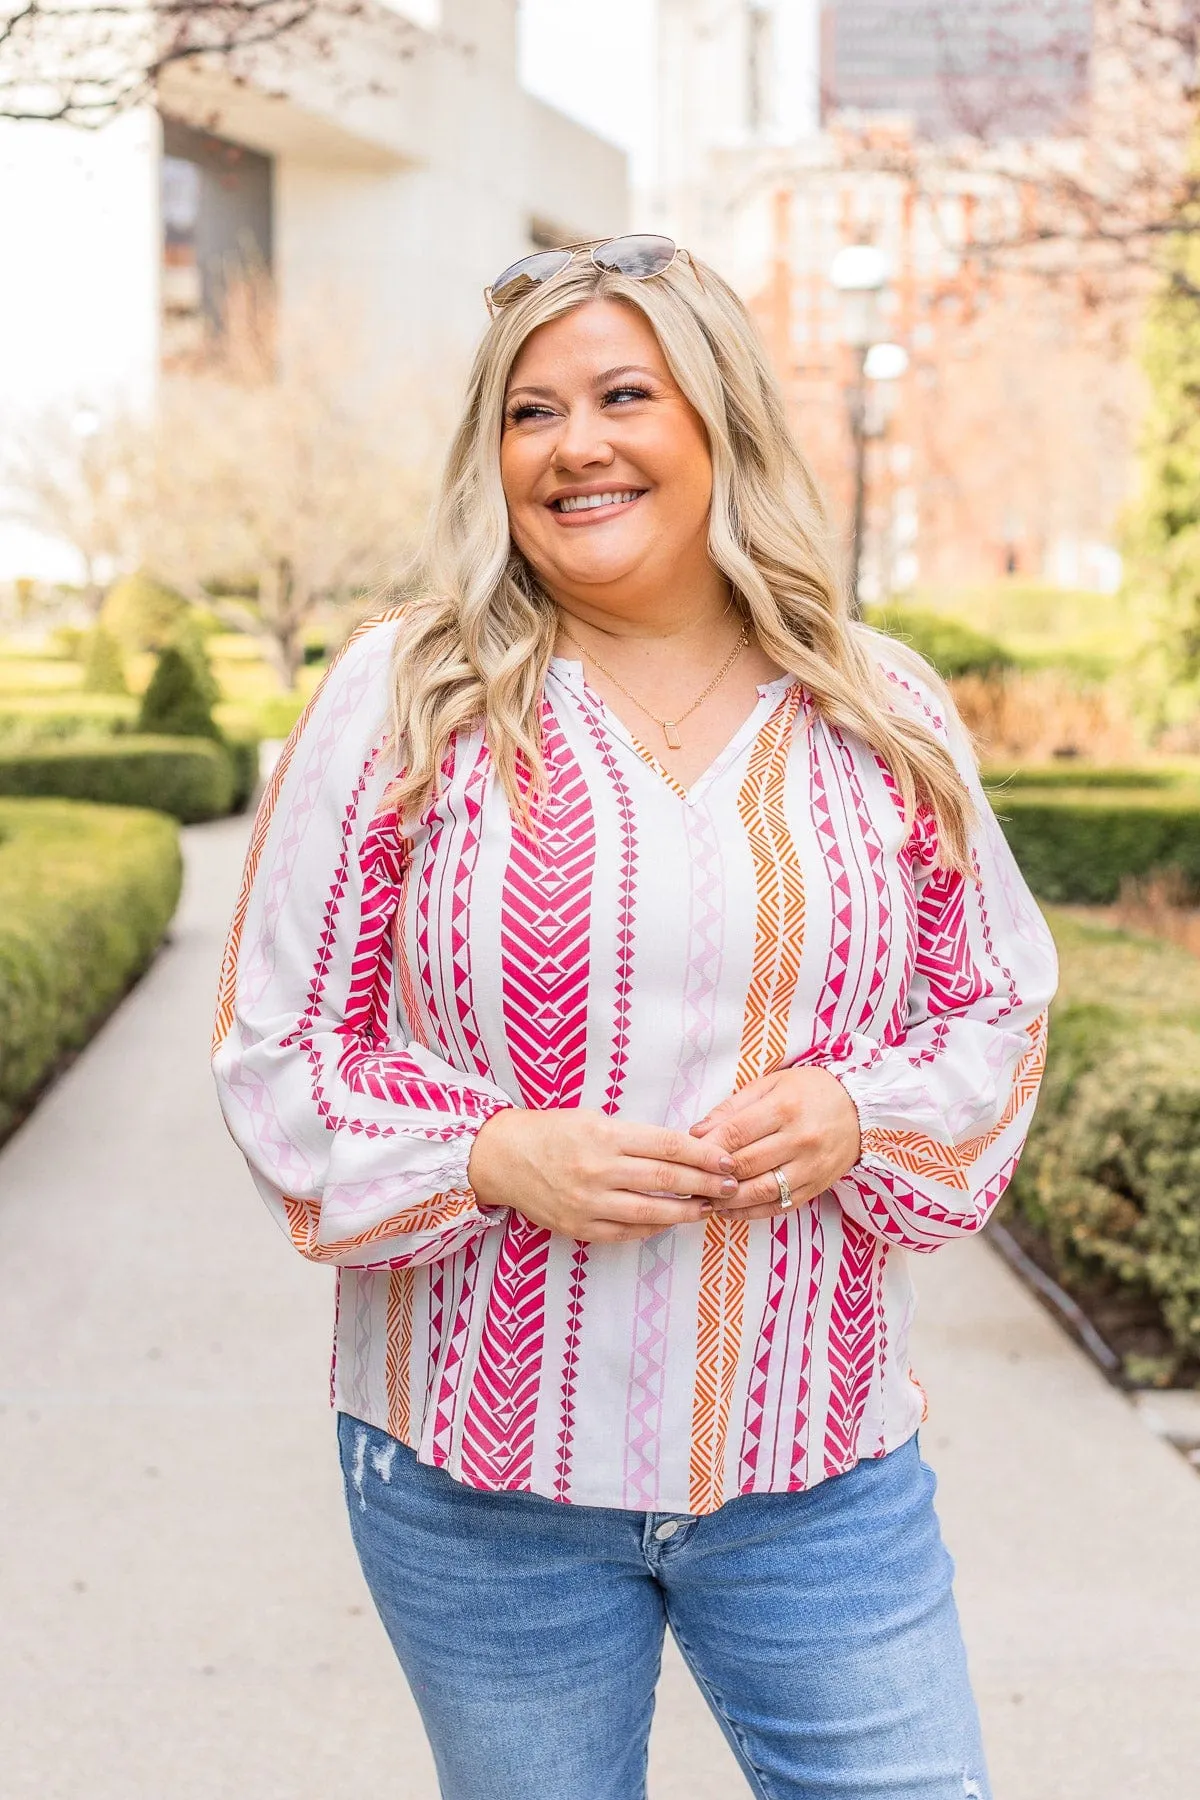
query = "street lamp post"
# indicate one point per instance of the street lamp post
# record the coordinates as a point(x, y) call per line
point(857, 406)
point(859, 274)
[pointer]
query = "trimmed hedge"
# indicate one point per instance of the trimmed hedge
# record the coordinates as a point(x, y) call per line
point(243, 754)
point(1068, 774)
point(190, 778)
point(86, 895)
point(141, 612)
point(1076, 845)
point(178, 701)
point(1114, 1181)
point(952, 648)
point(63, 716)
point(1110, 1179)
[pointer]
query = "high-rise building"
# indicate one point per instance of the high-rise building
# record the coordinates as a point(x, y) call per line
point(991, 68)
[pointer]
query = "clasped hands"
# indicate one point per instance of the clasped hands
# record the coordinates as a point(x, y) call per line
point(613, 1181)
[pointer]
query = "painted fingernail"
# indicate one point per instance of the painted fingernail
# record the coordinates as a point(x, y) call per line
point(729, 1186)
point(725, 1164)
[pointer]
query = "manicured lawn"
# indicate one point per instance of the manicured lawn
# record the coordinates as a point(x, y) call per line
point(37, 692)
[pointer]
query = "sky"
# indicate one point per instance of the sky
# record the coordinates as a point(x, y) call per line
point(595, 62)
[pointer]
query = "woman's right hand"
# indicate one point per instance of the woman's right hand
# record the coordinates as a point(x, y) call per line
point(602, 1180)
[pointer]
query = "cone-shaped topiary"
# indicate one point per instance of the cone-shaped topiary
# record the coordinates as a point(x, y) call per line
point(174, 704)
point(190, 637)
point(141, 612)
point(103, 668)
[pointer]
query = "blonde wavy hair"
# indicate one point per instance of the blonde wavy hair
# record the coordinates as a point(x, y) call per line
point(478, 639)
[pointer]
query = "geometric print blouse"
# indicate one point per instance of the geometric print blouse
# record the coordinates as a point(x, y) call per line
point(388, 985)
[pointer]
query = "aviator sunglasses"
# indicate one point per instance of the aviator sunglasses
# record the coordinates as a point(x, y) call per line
point(638, 256)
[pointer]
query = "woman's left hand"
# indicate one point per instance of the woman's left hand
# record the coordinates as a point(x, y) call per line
point(799, 1120)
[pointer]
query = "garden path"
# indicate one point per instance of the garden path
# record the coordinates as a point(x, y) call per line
point(183, 1616)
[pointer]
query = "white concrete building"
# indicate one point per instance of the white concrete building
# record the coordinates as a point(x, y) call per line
point(737, 81)
point(402, 170)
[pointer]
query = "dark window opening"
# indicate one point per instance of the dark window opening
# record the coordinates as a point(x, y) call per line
point(217, 228)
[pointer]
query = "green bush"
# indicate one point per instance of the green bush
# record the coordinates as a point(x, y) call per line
point(66, 643)
point(1111, 1177)
point(142, 613)
point(191, 639)
point(188, 778)
point(243, 754)
point(1078, 844)
point(86, 894)
point(103, 667)
point(952, 648)
point(175, 704)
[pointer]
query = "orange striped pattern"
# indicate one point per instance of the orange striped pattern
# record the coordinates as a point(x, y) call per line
point(304, 1223)
point(648, 756)
point(227, 987)
point(398, 1352)
point(950, 1164)
point(719, 1321)
point(779, 928)
point(778, 942)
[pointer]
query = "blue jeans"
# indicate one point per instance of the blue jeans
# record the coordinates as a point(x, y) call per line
point(820, 1626)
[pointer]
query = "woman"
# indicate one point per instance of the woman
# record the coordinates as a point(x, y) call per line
point(629, 974)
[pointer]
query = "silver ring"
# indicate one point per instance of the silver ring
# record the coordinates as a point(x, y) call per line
point(785, 1192)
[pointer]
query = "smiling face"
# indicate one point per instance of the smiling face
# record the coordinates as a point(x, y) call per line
point(605, 464)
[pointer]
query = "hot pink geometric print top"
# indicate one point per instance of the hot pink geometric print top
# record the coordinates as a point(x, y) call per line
point(649, 949)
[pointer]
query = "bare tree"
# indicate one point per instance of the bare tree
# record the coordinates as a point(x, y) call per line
point(82, 476)
point(285, 480)
point(1089, 132)
point(81, 62)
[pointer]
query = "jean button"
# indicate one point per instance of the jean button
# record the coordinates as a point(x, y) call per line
point(667, 1531)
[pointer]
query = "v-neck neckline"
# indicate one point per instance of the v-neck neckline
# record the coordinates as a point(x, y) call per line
point(570, 671)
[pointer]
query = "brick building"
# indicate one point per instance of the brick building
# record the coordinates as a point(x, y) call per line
point(1005, 448)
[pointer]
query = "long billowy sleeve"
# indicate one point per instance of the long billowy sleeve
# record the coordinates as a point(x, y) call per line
point(945, 1106)
point(357, 1137)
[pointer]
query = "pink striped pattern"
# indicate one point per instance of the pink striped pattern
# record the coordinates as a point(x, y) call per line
point(501, 1413)
point(640, 949)
point(545, 934)
point(851, 1347)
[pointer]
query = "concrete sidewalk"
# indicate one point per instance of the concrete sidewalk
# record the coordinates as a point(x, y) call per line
point(182, 1615)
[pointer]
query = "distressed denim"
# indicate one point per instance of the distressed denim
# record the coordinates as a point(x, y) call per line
point(820, 1626)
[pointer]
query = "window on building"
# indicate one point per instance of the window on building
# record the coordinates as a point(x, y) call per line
point(217, 228)
point(997, 66)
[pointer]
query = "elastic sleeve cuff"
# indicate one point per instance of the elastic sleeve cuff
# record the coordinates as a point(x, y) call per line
point(853, 1060)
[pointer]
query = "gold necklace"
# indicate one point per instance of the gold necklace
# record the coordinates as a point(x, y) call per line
point(668, 727)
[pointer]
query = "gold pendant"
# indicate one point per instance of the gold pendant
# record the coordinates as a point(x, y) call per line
point(671, 733)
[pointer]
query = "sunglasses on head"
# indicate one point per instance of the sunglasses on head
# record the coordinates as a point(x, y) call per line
point(638, 256)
